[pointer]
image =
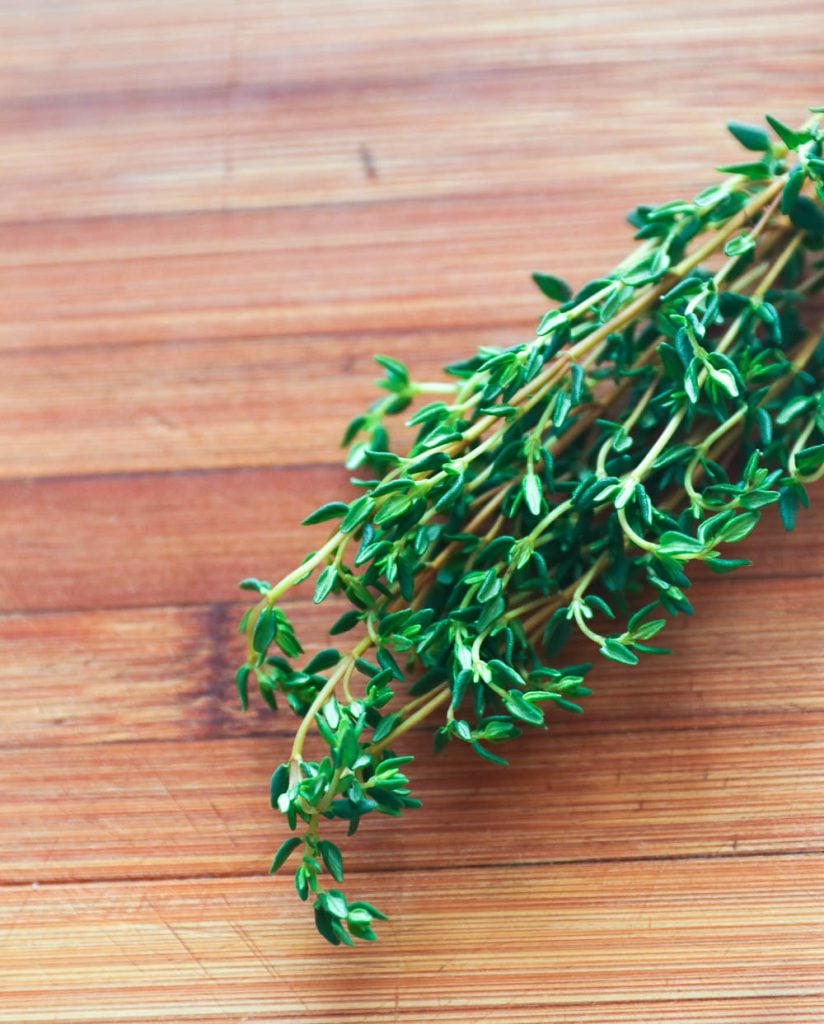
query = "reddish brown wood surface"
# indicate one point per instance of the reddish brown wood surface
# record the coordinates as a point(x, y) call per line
point(212, 214)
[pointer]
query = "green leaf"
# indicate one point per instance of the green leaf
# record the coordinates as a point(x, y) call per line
point(397, 506)
point(616, 651)
point(332, 859)
point(267, 691)
point(642, 500)
point(750, 136)
point(396, 373)
point(460, 686)
point(691, 381)
point(251, 583)
point(739, 245)
point(794, 408)
point(562, 406)
point(324, 923)
point(359, 918)
point(555, 698)
point(487, 755)
point(335, 903)
point(594, 601)
point(342, 934)
point(765, 427)
point(279, 784)
point(520, 708)
point(625, 494)
point(322, 660)
point(376, 914)
point(385, 728)
point(551, 321)
point(788, 507)
point(647, 630)
point(725, 380)
point(758, 499)
point(810, 460)
point(646, 649)
point(357, 512)
point(638, 617)
point(462, 730)
point(553, 287)
point(505, 674)
point(490, 587)
point(533, 492)
point(792, 140)
point(331, 510)
point(325, 582)
point(807, 215)
point(242, 681)
point(753, 170)
point(738, 528)
point(674, 543)
point(451, 495)
point(284, 851)
point(709, 197)
point(724, 565)
point(346, 622)
point(265, 630)
point(792, 189)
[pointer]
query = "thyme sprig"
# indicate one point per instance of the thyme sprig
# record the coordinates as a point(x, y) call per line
point(559, 486)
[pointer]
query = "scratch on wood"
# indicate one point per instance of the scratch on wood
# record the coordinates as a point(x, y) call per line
point(368, 161)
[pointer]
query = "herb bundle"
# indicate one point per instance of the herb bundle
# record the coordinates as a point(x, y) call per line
point(561, 486)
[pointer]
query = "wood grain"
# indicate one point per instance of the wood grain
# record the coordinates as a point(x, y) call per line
point(676, 934)
point(212, 214)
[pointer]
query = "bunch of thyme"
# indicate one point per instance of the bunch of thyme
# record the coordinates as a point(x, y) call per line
point(561, 485)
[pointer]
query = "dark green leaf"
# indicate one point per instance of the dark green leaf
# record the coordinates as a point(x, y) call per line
point(505, 674)
point(332, 859)
point(487, 755)
point(810, 460)
point(750, 136)
point(265, 629)
point(331, 510)
point(323, 660)
point(279, 784)
point(345, 622)
point(324, 923)
point(459, 687)
point(807, 215)
point(788, 507)
point(724, 565)
point(553, 287)
point(284, 851)
point(242, 681)
point(792, 189)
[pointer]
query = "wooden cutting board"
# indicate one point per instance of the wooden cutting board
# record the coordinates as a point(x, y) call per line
point(211, 215)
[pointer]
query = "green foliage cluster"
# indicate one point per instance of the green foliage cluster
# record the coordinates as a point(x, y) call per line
point(560, 486)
